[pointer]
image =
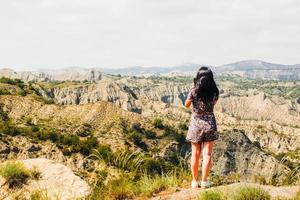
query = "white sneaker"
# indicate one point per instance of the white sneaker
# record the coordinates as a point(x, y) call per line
point(206, 184)
point(195, 184)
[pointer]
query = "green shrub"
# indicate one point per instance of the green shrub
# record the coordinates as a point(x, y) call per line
point(14, 173)
point(121, 188)
point(4, 91)
point(158, 123)
point(4, 115)
point(48, 135)
point(11, 130)
point(105, 153)
point(22, 92)
point(211, 194)
point(86, 146)
point(39, 195)
point(173, 133)
point(128, 161)
point(10, 81)
point(148, 185)
point(136, 138)
point(150, 134)
point(250, 193)
point(34, 128)
point(69, 140)
point(155, 166)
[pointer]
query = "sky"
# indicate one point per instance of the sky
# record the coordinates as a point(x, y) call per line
point(119, 33)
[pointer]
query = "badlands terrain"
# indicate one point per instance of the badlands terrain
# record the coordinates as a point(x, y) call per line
point(103, 130)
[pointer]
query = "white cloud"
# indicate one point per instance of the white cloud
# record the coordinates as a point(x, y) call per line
point(116, 33)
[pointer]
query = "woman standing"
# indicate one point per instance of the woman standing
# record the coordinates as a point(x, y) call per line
point(202, 132)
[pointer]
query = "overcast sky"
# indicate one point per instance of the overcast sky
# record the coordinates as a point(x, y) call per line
point(119, 33)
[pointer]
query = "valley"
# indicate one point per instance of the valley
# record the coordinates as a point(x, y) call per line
point(114, 130)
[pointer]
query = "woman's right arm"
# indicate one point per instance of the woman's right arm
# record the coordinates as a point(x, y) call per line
point(188, 103)
point(189, 98)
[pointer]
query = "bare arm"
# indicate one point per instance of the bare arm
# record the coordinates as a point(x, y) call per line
point(215, 102)
point(188, 103)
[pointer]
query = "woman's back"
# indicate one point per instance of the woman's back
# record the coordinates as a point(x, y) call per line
point(199, 106)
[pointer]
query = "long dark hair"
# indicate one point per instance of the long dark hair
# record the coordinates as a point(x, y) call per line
point(206, 89)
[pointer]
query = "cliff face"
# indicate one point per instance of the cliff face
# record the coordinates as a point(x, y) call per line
point(270, 120)
point(128, 94)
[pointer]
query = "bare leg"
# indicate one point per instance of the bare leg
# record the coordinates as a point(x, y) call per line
point(207, 159)
point(196, 151)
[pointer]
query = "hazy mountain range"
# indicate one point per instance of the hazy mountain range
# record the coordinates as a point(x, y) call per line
point(249, 68)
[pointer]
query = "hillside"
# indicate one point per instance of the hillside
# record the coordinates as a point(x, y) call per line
point(138, 126)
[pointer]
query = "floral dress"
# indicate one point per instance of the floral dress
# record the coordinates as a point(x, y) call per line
point(203, 127)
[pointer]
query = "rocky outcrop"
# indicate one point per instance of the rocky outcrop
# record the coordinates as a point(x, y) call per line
point(56, 181)
point(235, 153)
point(67, 74)
point(128, 94)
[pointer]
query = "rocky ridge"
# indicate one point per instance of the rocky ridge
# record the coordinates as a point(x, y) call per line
point(234, 153)
point(260, 115)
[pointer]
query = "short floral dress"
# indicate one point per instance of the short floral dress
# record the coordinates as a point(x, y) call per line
point(203, 127)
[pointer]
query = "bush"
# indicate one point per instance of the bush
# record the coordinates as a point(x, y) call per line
point(121, 188)
point(158, 123)
point(211, 194)
point(87, 145)
point(135, 137)
point(4, 115)
point(105, 153)
point(4, 91)
point(250, 193)
point(155, 166)
point(14, 173)
point(48, 135)
point(148, 186)
point(150, 134)
point(39, 195)
point(260, 179)
point(10, 130)
point(10, 81)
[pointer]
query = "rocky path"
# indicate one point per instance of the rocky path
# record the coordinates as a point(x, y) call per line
point(191, 194)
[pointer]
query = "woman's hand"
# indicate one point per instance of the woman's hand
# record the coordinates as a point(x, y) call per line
point(188, 103)
point(215, 101)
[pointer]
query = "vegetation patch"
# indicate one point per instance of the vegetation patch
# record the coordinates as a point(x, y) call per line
point(212, 194)
point(14, 173)
point(235, 193)
point(249, 193)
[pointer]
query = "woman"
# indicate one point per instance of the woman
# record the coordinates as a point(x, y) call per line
point(202, 132)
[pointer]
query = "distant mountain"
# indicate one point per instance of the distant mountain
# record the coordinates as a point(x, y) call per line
point(258, 69)
point(255, 69)
point(71, 73)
